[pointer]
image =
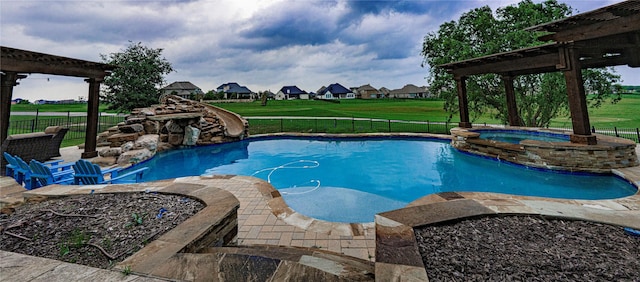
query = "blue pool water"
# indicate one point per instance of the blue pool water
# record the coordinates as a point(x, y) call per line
point(350, 180)
point(515, 136)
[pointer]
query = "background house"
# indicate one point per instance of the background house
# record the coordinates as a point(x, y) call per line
point(384, 91)
point(184, 89)
point(368, 92)
point(335, 91)
point(291, 93)
point(410, 91)
point(235, 90)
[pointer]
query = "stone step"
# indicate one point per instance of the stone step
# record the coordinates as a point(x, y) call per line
point(332, 264)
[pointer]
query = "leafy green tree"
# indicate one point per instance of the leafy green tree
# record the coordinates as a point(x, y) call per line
point(479, 32)
point(138, 78)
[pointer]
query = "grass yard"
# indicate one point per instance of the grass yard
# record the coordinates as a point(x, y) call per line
point(79, 107)
point(394, 109)
point(624, 114)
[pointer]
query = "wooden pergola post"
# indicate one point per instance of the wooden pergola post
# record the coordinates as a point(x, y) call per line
point(463, 104)
point(8, 81)
point(90, 142)
point(577, 99)
point(512, 107)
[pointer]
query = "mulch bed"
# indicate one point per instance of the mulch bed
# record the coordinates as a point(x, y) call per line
point(97, 230)
point(528, 248)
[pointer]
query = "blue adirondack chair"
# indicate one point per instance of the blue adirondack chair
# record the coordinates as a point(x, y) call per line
point(26, 172)
point(43, 175)
point(89, 174)
point(13, 168)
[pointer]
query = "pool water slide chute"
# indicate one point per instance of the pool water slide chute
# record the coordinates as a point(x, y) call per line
point(234, 124)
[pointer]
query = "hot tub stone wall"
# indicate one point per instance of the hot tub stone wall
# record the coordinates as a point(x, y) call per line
point(609, 153)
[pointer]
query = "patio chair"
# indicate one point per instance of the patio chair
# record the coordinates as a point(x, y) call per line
point(43, 175)
point(13, 168)
point(20, 171)
point(58, 133)
point(90, 174)
point(40, 146)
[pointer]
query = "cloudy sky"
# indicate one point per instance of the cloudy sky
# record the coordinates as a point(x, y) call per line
point(263, 45)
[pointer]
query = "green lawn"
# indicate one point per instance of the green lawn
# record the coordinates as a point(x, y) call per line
point(80, 107)
point(623, 114)
point(395, 109)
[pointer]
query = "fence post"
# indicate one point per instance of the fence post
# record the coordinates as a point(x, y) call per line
point(638, 134)
point(428, 127)
point(316, 119)
point(34, 126)
point(615, 129)
point(353, 125)
point(389, 125)
point(281, 125)
point(593, 129)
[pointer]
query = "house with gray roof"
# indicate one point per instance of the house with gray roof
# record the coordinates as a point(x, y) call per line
point(184, 89)
point(335, 91)
point(368, 92)
point(291, 93)
point(410, 91)
point(234, 89)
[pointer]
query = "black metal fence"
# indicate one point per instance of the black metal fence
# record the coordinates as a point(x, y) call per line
point(262, 125)
point(343, 125)
point(76, 124)
point(628, 133)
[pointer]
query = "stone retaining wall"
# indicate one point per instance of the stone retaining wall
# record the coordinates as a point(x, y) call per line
point(609, 153)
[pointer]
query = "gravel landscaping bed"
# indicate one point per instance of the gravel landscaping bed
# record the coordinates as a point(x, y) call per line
point(97, 230)
point(528, 248)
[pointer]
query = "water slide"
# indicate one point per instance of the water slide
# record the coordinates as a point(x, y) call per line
point(234, 123)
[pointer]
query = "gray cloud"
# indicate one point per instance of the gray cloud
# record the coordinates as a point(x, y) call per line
point(260, 44)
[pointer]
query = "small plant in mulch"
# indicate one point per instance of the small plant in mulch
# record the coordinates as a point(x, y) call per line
point(137, 219)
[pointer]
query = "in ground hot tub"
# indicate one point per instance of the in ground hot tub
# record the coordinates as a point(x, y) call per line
point(515, 136)
point(546, 148)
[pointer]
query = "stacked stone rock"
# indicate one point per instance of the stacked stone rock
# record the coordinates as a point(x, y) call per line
point(175, 122)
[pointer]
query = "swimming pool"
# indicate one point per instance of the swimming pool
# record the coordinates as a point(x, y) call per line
point(352, 179)
point(515, 136)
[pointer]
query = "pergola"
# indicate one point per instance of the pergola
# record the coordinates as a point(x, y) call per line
point(608, 36)
point(16, 64)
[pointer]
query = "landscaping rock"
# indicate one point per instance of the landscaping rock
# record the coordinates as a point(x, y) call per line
point(148, 141)
point(190, 136)
point(134, 156)
point(104, 161)
point(127, 146)
point(110, 152)
point(175, 122)
point(131, 128)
